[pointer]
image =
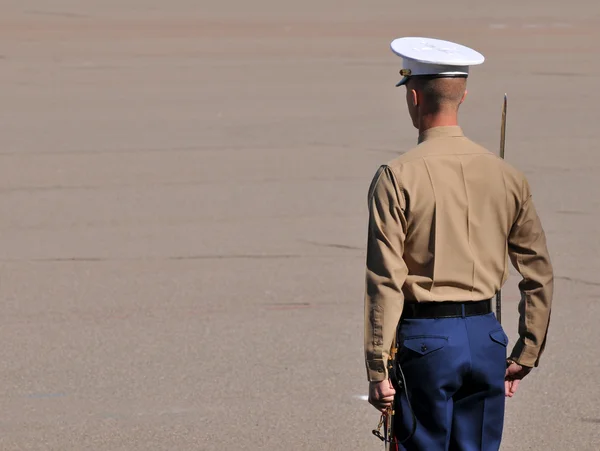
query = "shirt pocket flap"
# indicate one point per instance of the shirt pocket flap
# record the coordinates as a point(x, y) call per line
point(499, 336)
point(425, 344)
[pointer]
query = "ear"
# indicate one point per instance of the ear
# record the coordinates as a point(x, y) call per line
point(414, 97)
point(463, 97)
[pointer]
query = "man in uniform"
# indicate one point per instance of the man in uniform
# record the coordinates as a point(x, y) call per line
point(444, 218)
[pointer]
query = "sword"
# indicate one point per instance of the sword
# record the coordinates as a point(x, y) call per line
point(389, 437)
point(502, 143)
point(386, 420)
point(390, 443)
point(503, 128)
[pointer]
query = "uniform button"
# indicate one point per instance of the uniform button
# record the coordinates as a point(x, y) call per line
point(423, 348)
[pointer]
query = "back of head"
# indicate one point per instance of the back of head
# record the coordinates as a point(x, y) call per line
point(439, 94)
point(434, 72)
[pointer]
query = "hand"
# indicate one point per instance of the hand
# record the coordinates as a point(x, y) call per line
point(514, 374)
point(381, 394)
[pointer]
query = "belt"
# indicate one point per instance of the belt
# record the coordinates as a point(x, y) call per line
point(446, 309)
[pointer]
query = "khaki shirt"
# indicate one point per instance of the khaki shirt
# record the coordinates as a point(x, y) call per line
point(444, 218)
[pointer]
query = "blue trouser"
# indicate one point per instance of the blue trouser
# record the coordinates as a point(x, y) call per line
point(454, 370)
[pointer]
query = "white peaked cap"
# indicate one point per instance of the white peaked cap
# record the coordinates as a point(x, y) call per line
point(434, 57)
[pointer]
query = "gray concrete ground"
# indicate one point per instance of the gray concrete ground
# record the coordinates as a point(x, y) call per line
point(183, 214)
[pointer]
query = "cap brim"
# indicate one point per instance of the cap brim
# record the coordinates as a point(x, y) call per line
point(402, 82)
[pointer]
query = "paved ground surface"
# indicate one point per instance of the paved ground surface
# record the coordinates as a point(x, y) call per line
point(183, 215)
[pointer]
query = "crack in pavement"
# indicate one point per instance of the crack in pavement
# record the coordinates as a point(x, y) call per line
point(576, 280)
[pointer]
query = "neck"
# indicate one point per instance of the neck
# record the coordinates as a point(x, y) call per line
point(428, 121)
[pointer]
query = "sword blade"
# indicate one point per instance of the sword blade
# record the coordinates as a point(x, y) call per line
point(502, 144)
point(503, 127)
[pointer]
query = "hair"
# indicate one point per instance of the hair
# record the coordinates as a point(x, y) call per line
point(437, 94)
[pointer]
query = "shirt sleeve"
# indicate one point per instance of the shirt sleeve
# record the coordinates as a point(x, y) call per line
point(386, 270)
point(528, 252)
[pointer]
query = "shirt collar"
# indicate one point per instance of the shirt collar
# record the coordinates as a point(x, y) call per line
point(450, 131)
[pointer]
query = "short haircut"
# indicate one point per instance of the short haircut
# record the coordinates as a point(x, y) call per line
point(439, 93)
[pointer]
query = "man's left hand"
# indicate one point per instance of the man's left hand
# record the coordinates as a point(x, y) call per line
point(514, 374)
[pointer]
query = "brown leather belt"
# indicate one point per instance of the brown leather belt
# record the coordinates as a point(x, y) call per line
point(445, 309)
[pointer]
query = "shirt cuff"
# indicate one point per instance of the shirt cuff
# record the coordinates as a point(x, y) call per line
point(376, 370)
point(525, 355)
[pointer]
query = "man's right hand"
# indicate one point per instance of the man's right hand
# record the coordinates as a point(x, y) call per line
point(514, 374)
point(381, 394)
